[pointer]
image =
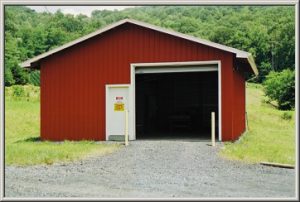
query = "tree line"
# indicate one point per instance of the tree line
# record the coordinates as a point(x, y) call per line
point(267, 32)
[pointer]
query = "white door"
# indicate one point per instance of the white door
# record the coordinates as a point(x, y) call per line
point(117, 101)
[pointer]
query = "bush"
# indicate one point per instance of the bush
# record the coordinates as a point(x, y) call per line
point(18, 91)
point(280, 87)
point(20, 75)
point(9, 78)
point(286, 116)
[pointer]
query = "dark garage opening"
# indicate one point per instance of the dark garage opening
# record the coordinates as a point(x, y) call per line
point(176, 105)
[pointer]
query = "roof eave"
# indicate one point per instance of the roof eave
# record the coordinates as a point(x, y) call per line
point(26, 64)
point(252, 64)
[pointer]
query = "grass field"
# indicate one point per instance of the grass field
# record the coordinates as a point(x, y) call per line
point(22, 126)
point(271, 134)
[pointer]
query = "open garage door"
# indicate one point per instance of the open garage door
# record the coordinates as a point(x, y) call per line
point(176, 102)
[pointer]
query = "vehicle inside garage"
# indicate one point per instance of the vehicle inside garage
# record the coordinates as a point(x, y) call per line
point(176, 105)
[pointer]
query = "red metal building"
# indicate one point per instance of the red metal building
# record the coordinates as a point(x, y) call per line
point(169, 82)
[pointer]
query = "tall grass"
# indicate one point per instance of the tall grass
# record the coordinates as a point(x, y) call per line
point(22, 131)
point(25, 93)
point(271, 134)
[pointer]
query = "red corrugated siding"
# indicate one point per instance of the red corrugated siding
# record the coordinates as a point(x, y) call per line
point(73, 81)
point(227, 97)
point(239, 121)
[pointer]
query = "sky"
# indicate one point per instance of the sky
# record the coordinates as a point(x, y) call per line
point(75, 10)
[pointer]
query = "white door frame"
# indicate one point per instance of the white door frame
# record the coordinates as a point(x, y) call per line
point(179, 65)
point(107, 86)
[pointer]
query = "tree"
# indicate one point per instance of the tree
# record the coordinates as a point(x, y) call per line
point(20, 76)
point(267, 32)
point(264, 70)
point(9, 79)
point(11, 61)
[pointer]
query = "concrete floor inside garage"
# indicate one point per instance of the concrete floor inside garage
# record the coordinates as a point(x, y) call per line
point(176, 106)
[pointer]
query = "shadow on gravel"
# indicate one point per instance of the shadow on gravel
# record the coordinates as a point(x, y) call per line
point(177, 140)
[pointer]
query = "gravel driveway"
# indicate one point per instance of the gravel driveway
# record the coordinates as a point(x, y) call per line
point(152, 169)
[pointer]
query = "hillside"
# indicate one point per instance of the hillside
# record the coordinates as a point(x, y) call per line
point(265, 31)
point(271, 132)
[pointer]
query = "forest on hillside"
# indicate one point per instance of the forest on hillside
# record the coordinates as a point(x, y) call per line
point(268, 32)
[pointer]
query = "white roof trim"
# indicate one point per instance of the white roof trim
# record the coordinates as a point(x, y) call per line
point(239, 53)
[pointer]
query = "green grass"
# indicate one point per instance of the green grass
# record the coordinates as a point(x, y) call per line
point(22, 145)
point(271, 134)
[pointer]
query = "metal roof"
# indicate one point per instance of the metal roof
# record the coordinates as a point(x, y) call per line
point(239, 53)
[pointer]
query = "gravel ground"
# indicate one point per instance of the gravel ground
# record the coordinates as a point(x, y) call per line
point(163, 169)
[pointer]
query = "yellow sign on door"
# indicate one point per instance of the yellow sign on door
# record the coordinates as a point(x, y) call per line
point(119, 106)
